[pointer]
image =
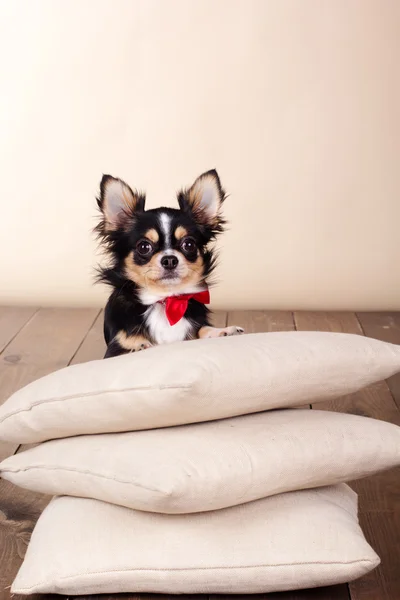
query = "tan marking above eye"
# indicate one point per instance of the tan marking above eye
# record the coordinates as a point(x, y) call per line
point(152, 235)
point(180, 232)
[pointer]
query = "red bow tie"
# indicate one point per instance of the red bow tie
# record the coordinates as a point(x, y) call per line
point(176, 306)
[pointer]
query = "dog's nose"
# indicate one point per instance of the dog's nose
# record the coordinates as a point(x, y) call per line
point(169, 262)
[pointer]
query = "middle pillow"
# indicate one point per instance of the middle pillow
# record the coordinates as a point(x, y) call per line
point(208, 466)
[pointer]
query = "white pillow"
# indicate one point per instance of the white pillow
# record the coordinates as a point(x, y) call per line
point(196, 468)
point(194, 381)
point(297, 540)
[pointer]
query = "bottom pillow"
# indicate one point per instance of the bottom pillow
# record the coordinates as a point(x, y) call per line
point(295, 540)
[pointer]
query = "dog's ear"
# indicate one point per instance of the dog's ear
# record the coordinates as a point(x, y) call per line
point(204, 200)
point(118, 202)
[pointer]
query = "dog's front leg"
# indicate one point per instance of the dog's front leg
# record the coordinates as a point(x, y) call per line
point(124, 344)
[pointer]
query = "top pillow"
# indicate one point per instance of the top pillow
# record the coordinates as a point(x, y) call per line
point(190, 382)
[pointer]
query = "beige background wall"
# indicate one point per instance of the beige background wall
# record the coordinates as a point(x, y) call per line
point(296, 103)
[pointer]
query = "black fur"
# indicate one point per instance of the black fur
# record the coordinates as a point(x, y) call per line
point(123, 314)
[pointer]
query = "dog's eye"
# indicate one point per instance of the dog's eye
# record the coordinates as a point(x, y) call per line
point(144, 247)
point(188, 245)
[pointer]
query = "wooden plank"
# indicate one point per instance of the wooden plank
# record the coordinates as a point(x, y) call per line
point(375, 401)
point(381, 325)
point(324, 593)
point(47, 342)
point(129, 596)
point(219, 318)
point(335, 592)
point(259, 321)
point(341, 322)
point(19, 511)
point(93, 346)
point(383, 535)
point(12, 320)
point(386, 327)
point(378, 495)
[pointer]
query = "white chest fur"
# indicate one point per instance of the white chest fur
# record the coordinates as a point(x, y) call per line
point(160, 329)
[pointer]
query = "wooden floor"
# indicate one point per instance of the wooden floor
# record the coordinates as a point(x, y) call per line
point(34, 342)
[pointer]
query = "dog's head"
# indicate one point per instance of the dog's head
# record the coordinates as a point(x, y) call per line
point(162, 251)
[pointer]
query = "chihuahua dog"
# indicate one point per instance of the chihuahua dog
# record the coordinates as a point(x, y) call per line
point(160, 264)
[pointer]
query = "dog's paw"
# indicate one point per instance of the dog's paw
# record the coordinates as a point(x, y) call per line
point(141, 346)
point(214, 332)
point(230, 331)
